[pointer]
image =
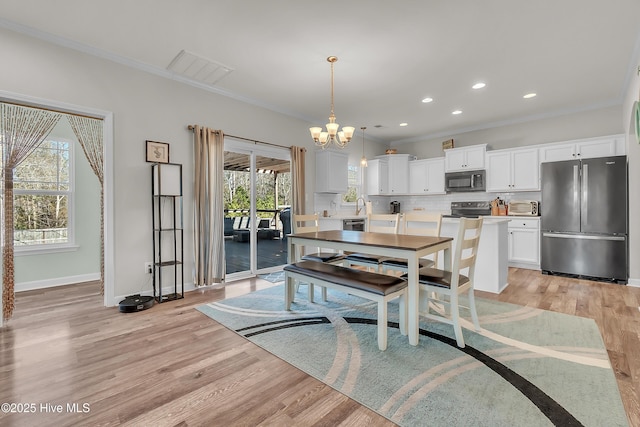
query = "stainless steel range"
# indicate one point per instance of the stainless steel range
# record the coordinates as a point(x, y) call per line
point(469, 209)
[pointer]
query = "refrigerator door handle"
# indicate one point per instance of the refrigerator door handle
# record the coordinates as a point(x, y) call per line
point(584, 237)
point(575, 185)
point(585, 194)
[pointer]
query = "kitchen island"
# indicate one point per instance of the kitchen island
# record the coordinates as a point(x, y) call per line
point(492, 264)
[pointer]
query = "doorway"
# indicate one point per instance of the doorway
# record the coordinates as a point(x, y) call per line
point(107, 129)
point(257, 197)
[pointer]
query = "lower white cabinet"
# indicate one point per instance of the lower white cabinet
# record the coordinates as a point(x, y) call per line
point(524, 243)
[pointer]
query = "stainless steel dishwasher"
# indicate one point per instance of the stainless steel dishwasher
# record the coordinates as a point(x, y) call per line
point(353, 224)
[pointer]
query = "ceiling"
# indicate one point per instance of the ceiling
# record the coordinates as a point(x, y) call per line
point(575, 54)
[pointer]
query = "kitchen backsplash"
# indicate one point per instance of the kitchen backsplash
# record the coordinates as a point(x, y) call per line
point(440, 203)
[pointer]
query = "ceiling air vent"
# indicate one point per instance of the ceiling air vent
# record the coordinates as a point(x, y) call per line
point(194, 67)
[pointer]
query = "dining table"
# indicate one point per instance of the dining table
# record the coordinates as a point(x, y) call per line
point(405, 246)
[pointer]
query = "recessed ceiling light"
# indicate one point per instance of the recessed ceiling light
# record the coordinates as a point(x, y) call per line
point(529, 95)
point(479, 85)
point(404, 124)
point(456, 112)
point(427, 100)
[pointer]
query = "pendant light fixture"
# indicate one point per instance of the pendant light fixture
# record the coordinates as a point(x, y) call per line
point(363, 160)
point(324, 139)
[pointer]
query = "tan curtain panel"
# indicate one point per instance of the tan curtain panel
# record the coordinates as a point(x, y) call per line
point(297, 179)
point(22, 130)
point(89, 133)
point(209, 262)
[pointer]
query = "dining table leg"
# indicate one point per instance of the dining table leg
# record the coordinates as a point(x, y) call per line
point(290, 286)
point(413, 294)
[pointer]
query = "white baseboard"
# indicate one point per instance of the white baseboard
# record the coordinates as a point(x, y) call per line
point(60, 281)
point(633, 282)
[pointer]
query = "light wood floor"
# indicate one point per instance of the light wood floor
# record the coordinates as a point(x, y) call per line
point(171, 365)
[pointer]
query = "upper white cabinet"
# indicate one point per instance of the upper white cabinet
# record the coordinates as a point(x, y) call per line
point(377, 177)
point(465, 158)
point(388, 175)
point(426, 176)
point(399, 173)
point(583, 149)
point(513, 170)
point(332, 168)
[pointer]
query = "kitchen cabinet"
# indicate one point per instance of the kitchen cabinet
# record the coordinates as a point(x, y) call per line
point(583, 149)
point(524, 242)
point(332, 168)
point(399, 173)
point(513, 170)
point(426, 176)
point(388, 175)
point(465, 158)
point(377, 177)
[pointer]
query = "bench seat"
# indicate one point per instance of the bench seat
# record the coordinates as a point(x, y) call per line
point(380, 288)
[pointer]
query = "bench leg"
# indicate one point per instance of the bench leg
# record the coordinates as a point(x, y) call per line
point(382, 324)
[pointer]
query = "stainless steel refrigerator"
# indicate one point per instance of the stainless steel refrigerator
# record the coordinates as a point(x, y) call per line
point(584, 225)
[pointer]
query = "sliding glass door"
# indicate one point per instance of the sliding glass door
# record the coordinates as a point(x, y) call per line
point(257, 194)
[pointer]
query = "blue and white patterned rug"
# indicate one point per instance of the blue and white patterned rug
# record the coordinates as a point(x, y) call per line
point(527, 367)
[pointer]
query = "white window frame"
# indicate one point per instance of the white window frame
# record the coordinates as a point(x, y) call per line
point(359, 179)
point(70, 245)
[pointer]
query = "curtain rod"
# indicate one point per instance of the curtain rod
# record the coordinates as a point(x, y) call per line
point(255, 141)
point(50, 109)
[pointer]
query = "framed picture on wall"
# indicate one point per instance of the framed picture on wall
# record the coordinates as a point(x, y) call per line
point(157, 152)
point(447, 144)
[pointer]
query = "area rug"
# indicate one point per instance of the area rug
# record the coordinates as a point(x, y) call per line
point(275, 277)
point(527, 367)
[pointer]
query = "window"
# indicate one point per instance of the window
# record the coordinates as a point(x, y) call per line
point(43, 196)
point(354, 185)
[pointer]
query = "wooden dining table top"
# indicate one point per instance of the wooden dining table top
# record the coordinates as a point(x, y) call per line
point(366, 238)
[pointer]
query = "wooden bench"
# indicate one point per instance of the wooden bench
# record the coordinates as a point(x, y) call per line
point(380, 288)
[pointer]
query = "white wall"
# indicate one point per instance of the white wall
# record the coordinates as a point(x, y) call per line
point(53, 269)
point(144, 106)
point(633, 153)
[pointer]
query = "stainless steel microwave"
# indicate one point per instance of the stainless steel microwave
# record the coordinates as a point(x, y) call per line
point(465, 181)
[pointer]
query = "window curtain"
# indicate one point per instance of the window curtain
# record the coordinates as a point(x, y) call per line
point(22, 130)
point(297, 179)
point(208, 226)
point(89, 133)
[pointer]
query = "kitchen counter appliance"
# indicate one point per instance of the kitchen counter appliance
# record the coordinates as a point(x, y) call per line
point(469, 209)
point(353, 224)
point(394, 207)
point(465, 181)
point(584, 224)
point(523, 208)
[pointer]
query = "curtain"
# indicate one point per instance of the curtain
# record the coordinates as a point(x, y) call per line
point(22, 130)
point(89, 133)
point(209, 206)
point(297, 179)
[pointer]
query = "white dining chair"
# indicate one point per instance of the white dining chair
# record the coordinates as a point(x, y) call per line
point(436, 284)
point(417, 224)
point(378, 223)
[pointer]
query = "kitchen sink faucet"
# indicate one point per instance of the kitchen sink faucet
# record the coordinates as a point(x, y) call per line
point(357, 203)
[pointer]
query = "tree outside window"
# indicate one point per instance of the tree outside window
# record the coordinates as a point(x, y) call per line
point(43, 196)
point(354, 185)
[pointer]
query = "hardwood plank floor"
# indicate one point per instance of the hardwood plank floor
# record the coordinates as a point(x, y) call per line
point(171, 365)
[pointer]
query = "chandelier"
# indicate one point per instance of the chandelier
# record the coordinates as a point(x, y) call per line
point(323, 139)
